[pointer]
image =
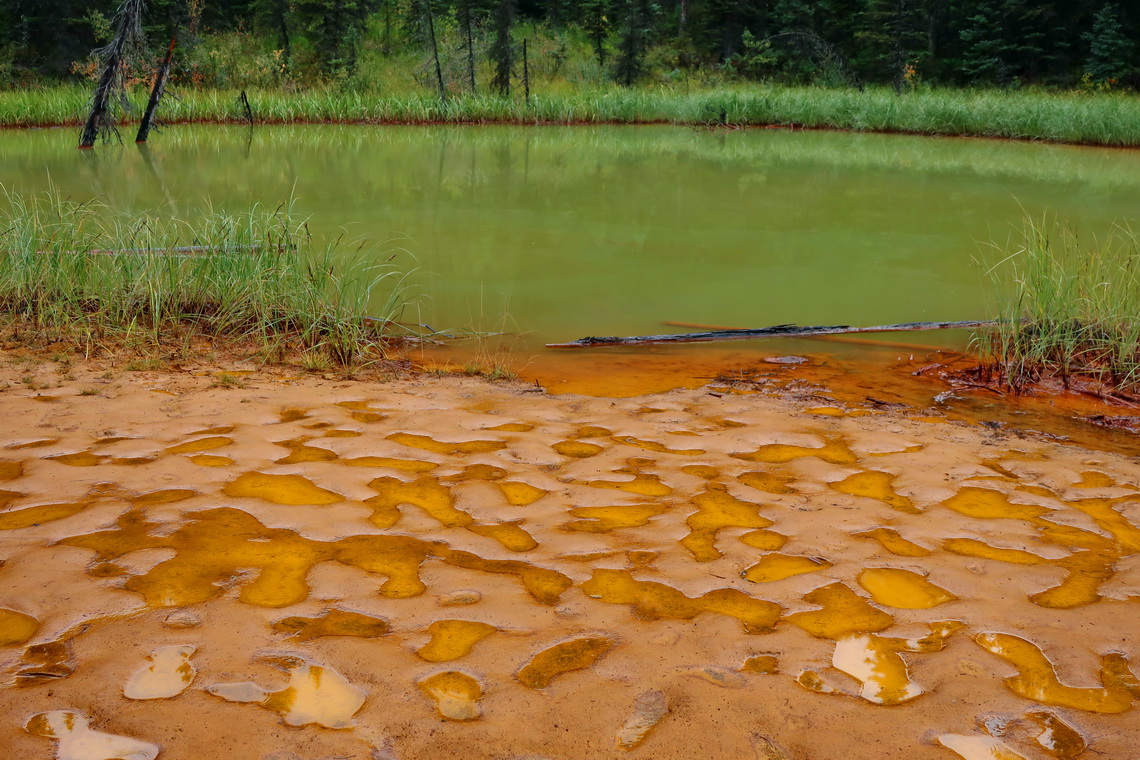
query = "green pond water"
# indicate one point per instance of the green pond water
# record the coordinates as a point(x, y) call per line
point(564, 232)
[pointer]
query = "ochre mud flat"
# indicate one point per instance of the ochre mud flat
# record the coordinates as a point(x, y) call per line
point(286, 568)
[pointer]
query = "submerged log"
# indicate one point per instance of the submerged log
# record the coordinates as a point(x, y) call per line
point(775, 331)
point(156, 93)
point(181, 251)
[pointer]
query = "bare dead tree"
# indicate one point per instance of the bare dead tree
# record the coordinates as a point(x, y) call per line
point(156, 93)
point(110, 92)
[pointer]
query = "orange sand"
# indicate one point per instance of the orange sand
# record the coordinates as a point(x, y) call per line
point(434, 568)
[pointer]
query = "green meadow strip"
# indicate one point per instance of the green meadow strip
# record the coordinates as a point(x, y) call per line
point(1094, 118)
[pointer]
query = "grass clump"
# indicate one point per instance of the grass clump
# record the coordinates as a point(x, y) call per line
point(1069, 309)
point(99, 278)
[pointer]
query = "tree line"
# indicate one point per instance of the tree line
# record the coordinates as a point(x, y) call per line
point(899, 42)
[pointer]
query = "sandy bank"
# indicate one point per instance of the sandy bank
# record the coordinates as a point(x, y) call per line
point(446, 568)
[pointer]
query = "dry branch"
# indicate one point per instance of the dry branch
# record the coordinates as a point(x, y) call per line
point(775, 331)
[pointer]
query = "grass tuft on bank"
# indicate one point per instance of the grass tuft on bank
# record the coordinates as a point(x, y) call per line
point(87, 275)
point(1070, 308)
point(1091, 118)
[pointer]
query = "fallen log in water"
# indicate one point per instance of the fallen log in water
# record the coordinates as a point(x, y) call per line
point(182, 251)
point(829, 338)
point(775, 331)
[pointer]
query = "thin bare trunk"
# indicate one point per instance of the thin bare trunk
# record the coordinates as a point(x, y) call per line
point(127, 40)
point(156, 93)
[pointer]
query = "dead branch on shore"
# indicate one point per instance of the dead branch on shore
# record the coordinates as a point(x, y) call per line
point(775, 331)
point(156, 93)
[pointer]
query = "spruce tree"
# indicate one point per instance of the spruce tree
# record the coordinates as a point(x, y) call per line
point(502, 49)
point(637, 18)
point(1110, 50)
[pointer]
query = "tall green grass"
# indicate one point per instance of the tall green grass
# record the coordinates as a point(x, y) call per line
point(85, 273)
point(1075, 117)
point(1070, 307)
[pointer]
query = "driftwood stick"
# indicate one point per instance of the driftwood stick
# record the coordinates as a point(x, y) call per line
point(776, 331)
point(828, 338)
point(184, 251)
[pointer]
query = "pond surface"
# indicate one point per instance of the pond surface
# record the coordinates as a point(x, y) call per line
point(564, 232)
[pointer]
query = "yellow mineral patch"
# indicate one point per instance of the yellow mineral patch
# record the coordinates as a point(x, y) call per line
point(444, 447)
point(79, 459)
point(292, 415)
point(904, 589)
point(201, 444)
point(874, 661)
point(362, 411)
point(7, 497)
point(405, 465)
point(513, 427)
point(341, 433)
point(605, 519)
point(768, 482)
point(1057, 737)
point(764, 664)
point(294, 490)
point(893, 542)
point(217, 430)
point(213, 545)
point(78, 742)
point(577, 449)
point(844, 614)
point(300, 452)
point(509, 534)
point(16, 628)
point(565, 657)
point(648, 710)
point(813, 681)
point(835, 451)
point(168, 674)
point(978, 747)
point(874, 484)
point(165, 496)
point(315, 694)
point(765, 540)
point(425, 492)
point(969, 547)
point(716, 510)
point(211, 460)
point(653, 601)
point(703, 471)
point(27, 518)
point(592, 431)
point(333, 622)
point(1037, 680)
point(129, 461)
point(488, 472)
point(10, 470)
point(642, 484)
point(776, 567)
point(660, 448)
point(519, 494)
point(44, 662)
point(452, 639)
point(1093, 479)
point(546, 586)
point(987, 503)
point(456, 695)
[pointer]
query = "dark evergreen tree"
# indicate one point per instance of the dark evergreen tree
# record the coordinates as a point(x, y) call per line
point(334, 28)
point(637, 18)
point(1110, 50)
point(595, 22)
point(502, 49)
point(891, 34)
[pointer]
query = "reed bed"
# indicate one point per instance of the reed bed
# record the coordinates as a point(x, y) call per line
point(1070, 308)
point(86, 274)
point(1102, 118)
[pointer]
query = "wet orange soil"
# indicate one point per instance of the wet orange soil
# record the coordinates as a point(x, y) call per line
point(306, 568)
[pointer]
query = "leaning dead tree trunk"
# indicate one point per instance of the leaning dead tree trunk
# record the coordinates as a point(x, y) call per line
point(126, 43)
point(776, 331)
point(156, 93)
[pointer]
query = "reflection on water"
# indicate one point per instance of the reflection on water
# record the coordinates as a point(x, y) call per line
point(566, 232)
